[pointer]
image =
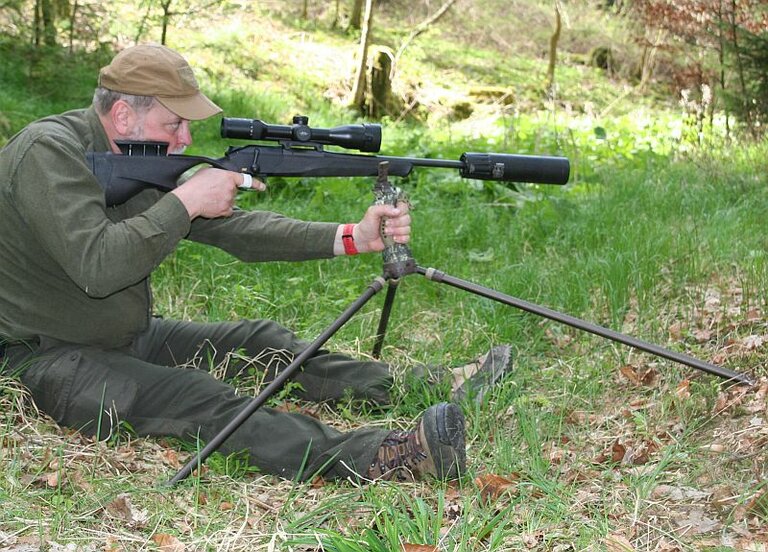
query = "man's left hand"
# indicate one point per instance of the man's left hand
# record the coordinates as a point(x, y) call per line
point(366, 233)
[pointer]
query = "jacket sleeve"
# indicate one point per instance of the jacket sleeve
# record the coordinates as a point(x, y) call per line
point(266, 236)
point(63, 205)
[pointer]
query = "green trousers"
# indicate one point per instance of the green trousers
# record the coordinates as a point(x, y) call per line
point(161, 387)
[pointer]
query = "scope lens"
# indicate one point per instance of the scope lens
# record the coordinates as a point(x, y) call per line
point(365, 137)
point(235, 128)
point(244, 129)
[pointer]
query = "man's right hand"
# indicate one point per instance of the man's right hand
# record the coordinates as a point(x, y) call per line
point(211, 193)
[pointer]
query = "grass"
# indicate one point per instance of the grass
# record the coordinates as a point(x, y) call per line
point(588, 446)
point(694, 232)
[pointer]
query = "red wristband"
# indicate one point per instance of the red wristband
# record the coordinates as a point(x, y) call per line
point(348, 240)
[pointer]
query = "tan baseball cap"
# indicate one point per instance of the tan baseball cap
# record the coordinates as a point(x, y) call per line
point(154, 70)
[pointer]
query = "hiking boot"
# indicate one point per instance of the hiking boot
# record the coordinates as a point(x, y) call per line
point(477, 378)
point(434, 447)
point(471, 381)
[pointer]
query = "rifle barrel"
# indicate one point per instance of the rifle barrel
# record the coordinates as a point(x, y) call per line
point(504, 167)
point(424, 162)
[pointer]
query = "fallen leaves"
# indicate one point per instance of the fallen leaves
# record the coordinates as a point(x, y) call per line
point(50, 479)
point(493, 486)
point(683, 389)
point(731, 398)
point(753, 342)
point(419, 548)
point(170, 458)
point(738, 348)
point(696, 522)
point(679, 494)
point(533, 540)
point(168, 543)
point(617, 543)
point(627, 452)
point(122, 509)
point(294, 407)
point(640, 376)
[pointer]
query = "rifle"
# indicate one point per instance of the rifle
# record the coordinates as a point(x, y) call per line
point(300, 153)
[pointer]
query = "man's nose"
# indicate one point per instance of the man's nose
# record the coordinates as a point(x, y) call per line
point(185, 135)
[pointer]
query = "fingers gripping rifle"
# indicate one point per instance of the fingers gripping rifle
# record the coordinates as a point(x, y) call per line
point(300, 153)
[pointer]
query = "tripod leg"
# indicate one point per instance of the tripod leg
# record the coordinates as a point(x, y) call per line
point(373, 288)
point(389, 300)
point(438, 276)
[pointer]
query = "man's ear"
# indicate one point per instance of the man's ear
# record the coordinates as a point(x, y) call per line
point(123, 117)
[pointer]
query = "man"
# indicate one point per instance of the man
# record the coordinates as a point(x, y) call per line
point(75, 299)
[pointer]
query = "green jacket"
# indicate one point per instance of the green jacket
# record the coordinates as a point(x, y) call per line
point(77, 271)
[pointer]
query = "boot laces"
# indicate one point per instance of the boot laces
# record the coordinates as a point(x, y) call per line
point(399, 455)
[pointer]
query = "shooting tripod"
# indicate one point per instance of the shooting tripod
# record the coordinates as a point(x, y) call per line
point(399, 262)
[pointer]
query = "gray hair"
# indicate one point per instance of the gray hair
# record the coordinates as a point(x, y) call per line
point(104, 99)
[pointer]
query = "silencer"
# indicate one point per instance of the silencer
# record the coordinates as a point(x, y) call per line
point(515, 168)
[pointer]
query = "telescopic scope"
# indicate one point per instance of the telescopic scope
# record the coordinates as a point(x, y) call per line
point(365, 137)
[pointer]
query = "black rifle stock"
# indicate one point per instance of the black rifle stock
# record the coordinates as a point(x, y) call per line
point(301, 154)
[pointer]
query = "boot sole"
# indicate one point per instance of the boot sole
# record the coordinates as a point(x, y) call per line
point(443, 426)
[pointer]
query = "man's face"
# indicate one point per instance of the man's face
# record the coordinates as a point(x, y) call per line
point(162, 125)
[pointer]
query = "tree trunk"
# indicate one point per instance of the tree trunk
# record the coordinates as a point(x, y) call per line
point(553, 41)
point(355, 14)
point(381, 84)
point(358, 88)
point(721, 59)
point(166, 4)
point(740, 65)
point(49, 22)
point(648, 62)
point(335, 21)
point(143, 24)
point(72, 20)
point(37, 38)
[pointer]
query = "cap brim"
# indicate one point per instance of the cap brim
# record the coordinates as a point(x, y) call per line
point(193, 108)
